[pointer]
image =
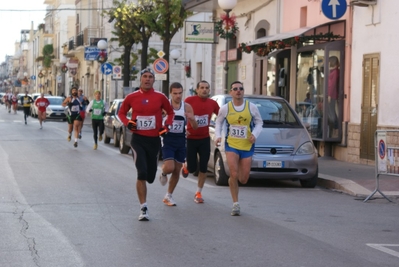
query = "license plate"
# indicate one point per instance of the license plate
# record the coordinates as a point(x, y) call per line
point(57, 114)
point(273, 164)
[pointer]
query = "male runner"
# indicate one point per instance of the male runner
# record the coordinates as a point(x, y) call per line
point(73, 114)
point(198, 140)
point(83, 99)
point(146, 124)
point(41, 103)
point(174, 143)
point(26, 101)
point(244, 124)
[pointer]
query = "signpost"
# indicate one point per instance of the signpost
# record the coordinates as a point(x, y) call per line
point(117, 72)
point(334, 9)
point(106, 68)
point(91, 53)
point(160, 65)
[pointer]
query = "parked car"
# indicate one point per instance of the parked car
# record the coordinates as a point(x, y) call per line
point(112, 124)
point(55, 110)
point(33, 108)
point(283, 150)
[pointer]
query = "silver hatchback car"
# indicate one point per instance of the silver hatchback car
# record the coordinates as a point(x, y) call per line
point(283, 150)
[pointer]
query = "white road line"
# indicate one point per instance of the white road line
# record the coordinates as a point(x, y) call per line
point(382, 247)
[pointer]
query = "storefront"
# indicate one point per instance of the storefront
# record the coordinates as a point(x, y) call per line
point(307, 68)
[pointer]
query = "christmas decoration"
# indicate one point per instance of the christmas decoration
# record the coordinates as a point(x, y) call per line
point(264, 49)
point(64, 69)
point(187, 69)
point(226, 28)
point(102, 56)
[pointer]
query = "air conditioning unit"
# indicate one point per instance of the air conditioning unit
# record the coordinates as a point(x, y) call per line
point(363, 3)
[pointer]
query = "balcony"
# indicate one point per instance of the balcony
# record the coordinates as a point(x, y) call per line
point(88, 34)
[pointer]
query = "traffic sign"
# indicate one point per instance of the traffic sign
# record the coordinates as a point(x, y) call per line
point(33, 77)
point(106, 68)
point(117, 72)
point(160, 65)
point(91, 53)
point(334, 9)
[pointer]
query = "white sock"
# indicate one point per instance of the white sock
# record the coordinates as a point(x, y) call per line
point(168, 195)
point(199, 189)
point(236, 203)
point(76, 139)
point(143, 205)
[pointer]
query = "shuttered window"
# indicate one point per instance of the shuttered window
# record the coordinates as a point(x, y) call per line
point(369, 105)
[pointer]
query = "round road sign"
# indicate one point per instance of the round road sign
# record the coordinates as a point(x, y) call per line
point(160, 65)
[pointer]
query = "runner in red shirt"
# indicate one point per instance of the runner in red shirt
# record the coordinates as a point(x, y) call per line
point(146, 124)
point(41, 103)
point(198, 141)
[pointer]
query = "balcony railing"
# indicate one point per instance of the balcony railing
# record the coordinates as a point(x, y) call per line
point(79, 40)
point(71, 44)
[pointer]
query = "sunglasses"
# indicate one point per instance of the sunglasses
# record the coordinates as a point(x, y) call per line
point(147, 70)
point(237, 88)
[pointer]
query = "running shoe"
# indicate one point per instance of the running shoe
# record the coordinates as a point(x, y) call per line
point(80, 135)
point(100, 138)
point(75, 144)
point(143, 214)
point(184, 171)
point(95, 147)
point(236, 210)
point(26, 122)
point(168, 200)
point(198, 198)
point(163, 178)
point(69, 138)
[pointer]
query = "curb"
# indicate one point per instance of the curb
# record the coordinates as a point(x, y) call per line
point(343, 185)
point(348, 186)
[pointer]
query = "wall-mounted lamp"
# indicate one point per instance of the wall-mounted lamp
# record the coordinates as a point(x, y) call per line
point(175, 54)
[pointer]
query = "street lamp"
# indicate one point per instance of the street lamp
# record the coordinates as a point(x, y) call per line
point(64, 69)
point(227, 6)
point(102, 57)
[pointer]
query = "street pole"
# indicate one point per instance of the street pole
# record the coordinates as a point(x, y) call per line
point(226, 64)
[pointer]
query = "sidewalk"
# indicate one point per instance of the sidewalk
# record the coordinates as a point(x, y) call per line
point(355, 179)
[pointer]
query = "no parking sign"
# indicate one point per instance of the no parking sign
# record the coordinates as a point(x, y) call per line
point(117, 72)
point(381, 150)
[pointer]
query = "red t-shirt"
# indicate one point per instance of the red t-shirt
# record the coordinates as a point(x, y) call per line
point(42, 103)
point(147, 109)
point(203, 110)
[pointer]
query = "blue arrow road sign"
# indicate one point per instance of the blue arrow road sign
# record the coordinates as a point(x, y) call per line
point(33, 77)
point(106, 68)
point(334, 9)
point(91, 53)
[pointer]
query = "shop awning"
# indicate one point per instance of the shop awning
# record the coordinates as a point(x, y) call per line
point(280, 36)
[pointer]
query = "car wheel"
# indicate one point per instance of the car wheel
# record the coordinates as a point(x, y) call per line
point(124, 149)
point(116, 141)
point(221, 177)
point(107, 140)
point(310, 183)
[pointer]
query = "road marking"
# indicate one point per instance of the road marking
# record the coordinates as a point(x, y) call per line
point(382, 247)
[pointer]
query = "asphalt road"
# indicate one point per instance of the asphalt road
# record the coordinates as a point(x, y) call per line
point(66, 206)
